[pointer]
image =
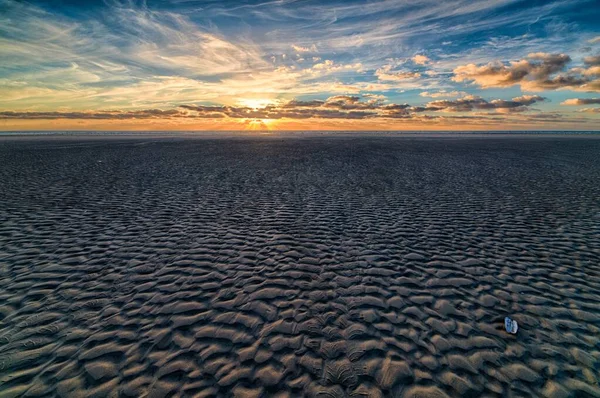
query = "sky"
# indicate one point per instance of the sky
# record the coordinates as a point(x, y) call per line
point(299, 65)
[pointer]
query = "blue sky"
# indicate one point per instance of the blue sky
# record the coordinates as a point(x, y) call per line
point(187, 64)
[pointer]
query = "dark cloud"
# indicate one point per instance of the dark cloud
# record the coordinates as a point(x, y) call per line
point(560, 81)
point(345, 102)
point(301, 104)
point(471, 103)
point(543, 64)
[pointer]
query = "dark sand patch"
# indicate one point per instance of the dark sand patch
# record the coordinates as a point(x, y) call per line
point(346, 266)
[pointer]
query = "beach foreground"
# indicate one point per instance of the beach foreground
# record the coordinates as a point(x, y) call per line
point(333, 266)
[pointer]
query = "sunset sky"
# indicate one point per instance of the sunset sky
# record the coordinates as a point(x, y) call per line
point(299, 64)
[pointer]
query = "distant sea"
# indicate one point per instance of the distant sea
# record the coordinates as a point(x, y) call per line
point(245, 133)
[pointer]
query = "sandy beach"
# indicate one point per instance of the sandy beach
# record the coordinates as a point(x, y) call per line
point(303, 266)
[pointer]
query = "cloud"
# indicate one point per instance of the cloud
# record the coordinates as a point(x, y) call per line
point(497, 74)
point(443, 94)
point(379, 97)
point(386, 74)
point(589, 110)
point(334, 107)
point(379, 27)
point(327, 67)
point(339, 102)
point(581, 101)
point(592, 60)
point(420, 59)
point(130, 56)
point(346, 102)
point(540, 71)
point(106, 115)
point(124, 38)
point(396, 76)
point(471, 103)
point(594, 40)
point(292, 110)
point(172, 42)
point(300, 49)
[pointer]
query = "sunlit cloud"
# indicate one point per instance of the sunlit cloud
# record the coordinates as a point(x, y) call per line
point(581, 101)
point(420, 59)
point(540, 71)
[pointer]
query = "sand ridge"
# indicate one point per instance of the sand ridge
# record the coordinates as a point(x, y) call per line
point(318, 267)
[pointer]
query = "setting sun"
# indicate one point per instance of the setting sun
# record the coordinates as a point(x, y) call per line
point(259, 124)
point(256, 103)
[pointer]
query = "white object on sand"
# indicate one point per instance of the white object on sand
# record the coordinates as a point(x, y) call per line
point(510, 325)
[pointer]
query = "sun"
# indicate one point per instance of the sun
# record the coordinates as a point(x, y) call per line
point(258, 124)
point(256, 103)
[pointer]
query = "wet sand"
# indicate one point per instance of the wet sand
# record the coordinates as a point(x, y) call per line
point(317, 266)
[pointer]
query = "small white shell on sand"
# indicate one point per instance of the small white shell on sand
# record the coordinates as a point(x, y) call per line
point(511, 325)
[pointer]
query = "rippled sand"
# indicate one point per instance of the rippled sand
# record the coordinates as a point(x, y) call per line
point(336, 267)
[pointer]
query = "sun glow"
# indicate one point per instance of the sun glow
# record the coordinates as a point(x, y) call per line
point(259, 124)
point(256, 103)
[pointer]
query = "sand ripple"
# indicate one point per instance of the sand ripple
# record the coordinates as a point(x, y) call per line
point(320, 267)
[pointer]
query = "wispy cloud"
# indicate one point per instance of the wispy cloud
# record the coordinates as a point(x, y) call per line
point(594, 40)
